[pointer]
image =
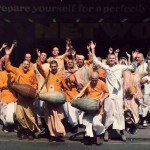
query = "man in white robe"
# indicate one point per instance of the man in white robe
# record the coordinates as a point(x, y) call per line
point(142, 70)
point(146, 94)
point(113, 106)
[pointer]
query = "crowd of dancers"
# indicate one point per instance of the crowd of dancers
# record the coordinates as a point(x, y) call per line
point(114, 93)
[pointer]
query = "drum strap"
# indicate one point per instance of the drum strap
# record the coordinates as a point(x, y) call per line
point(80, 94)
point(17, 78)
point(45, 81)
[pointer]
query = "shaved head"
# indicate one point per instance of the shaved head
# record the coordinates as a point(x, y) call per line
point(140, 54)
point(28, 57)
point(95, 75)
point(94, 79)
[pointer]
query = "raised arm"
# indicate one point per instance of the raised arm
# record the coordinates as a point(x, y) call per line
point(8, 65)
point(69, 49)
point(134, 54)
point(38, 52)
point(129, 58)
point(90, 59)
point(3, 46)
point(116, 52)
point(40, 69)
point(67, 52)
point(96, 62)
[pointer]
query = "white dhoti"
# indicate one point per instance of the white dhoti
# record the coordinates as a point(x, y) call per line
point(71, 113)
point(8, 113)
point(114, 113)
point(145, 108)
point(81, 114)
point(93, 122)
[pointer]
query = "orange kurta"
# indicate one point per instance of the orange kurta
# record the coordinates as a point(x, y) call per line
point(7, 95)
point(53, 114)
point(21, 77)
point(97, 90)
point(25, 108)
point(56, 80)
point(71, 91)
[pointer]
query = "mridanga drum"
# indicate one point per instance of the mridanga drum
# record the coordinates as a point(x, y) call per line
point(87, 104)
point(53, 97)
point(24, 90)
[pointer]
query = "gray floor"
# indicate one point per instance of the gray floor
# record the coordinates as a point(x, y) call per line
point(138, 141)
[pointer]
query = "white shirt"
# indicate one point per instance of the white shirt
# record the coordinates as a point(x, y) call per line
point(142, 68)
point(147, 85)
point(113, 77)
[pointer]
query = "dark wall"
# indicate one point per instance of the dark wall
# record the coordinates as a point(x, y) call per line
point(120, 24)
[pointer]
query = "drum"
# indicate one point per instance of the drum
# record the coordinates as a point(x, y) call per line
point(24, 90)
point(86, 104)
point(53, 97)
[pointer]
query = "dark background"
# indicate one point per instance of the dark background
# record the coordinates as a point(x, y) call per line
point(37, 29)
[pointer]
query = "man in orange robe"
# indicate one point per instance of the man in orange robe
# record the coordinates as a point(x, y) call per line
point(8, 101)
point(53, 114)
point(71, 79)
point(24, 109)
point(97, 89)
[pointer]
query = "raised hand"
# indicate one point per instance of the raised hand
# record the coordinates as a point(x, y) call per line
point(73, 53)
point(117, 51)
point(4, 45)
point(15, 43)
point(88, 47)
point(134, 53)
point(128, 55)
point(68, 40)
point(68, 44)
point(110, 50)
point(38, 52)
point(92, 45)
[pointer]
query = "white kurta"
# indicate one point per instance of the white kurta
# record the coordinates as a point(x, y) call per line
point(115, 101)
point(146, 100)
point(142, 69)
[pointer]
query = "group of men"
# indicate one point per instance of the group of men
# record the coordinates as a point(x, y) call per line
point(120, 87)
